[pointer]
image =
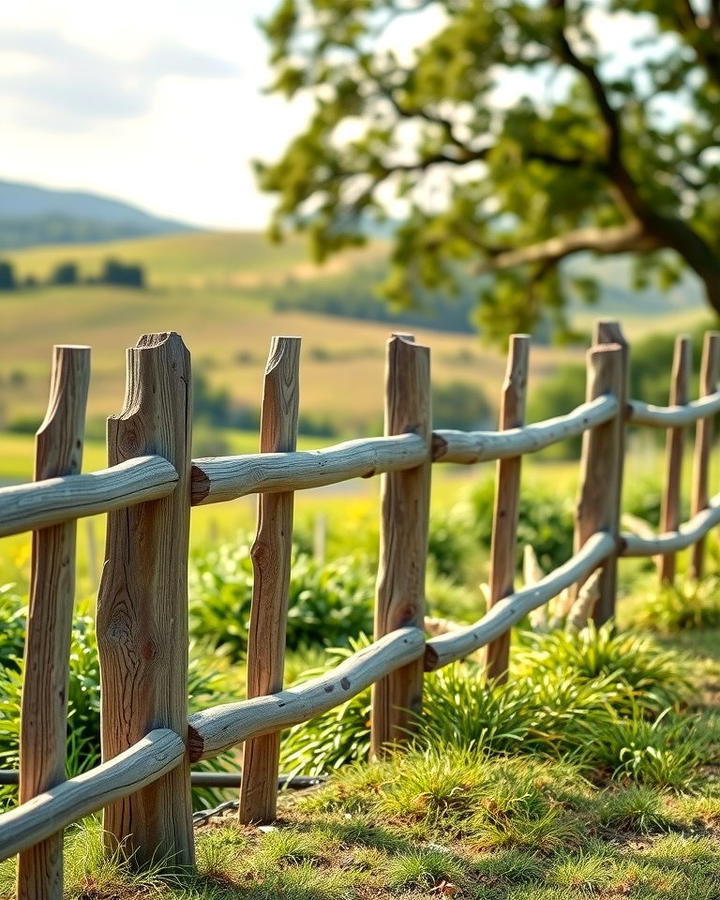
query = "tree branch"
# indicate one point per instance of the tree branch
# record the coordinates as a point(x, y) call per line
point(616, 167)
point(620, 239)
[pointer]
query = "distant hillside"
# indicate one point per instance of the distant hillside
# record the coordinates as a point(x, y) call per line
point(31, 216)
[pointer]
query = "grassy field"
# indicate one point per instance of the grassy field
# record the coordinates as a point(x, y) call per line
point(213, 289)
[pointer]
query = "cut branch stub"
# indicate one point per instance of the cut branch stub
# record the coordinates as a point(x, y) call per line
point(142, 604)
point(43, 718)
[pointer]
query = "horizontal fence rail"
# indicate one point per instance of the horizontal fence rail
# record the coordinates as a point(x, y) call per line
point(486, 446)
point(222, 727)
point(447, 648)
point(151, 758)
point(143, 784)
point(226, 478)
point(640, 413)
point(688, 533)
point(40, 504)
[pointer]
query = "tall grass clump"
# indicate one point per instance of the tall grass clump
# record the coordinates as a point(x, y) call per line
point(684, 606)
point(607, 702)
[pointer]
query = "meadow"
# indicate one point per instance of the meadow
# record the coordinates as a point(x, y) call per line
point(592, 773)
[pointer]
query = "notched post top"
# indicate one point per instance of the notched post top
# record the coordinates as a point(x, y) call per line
point(280, 396)
point(59, 445)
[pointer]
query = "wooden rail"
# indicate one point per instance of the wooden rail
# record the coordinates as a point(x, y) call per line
point(684, 536)
point(469, 447)
point(508, 612)
point(40, 504)
point(148, 742)
point(674, 415)
point(217, 479)
point(222, 727)
point(139, 766)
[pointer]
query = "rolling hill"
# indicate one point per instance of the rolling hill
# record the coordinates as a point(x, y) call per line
point(31, 215)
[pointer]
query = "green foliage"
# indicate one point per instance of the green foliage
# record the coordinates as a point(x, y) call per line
point(545, 522)
point(663, 752)
point(206, 686)
point(561, 392)
point(328, 603)
point(565, 690)
point(652, 677)
point(490, 197)
point(65, 273)
point(686, 604)
point(7, 276)
point(460, 405)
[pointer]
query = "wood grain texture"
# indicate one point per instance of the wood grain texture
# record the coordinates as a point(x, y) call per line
point(142, 604)
point(271, 552)
point(684, 536)
point(447, 648)
point(703, 445)
point(221, 728)
point(640, 413)
point(598, 506)
point(53, 809)
point(225, 478)
point(674, 448)
point(503, 549)
point(468, 447)
point(400, 594)
point(43, 717)
point(608, 331)
point(39, 504)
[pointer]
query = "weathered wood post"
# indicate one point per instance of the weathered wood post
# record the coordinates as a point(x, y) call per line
point(679, 396)
point(503, 551)
point(703, 444)
point(598, 507)
point(43, 718)
point(400, 595)
point(271, 554)
point(608, 331)
point(142, 604)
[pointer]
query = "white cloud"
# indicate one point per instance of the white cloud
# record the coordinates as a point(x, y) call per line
point(156, 102)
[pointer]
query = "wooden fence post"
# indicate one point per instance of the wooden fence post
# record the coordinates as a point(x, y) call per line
point(703, 444)
point(43, 718)
point(601, 468)
point(503, 551)
point(679, 395)
point(142, 605)
point(608, 331)
point(400, 595)
point(271, 554)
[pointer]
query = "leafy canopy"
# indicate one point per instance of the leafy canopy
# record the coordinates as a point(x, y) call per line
point(518, 134)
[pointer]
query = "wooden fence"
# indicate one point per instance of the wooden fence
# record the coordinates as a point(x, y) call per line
point(148, 741)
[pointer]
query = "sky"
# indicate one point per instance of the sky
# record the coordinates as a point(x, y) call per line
point(156, 102)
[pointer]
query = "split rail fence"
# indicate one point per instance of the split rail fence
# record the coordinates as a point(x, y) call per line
point(148, 741)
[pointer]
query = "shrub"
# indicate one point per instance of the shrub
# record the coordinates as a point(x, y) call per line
point(652, 677)
point(460, 405)
point(328, 603)
point(688, 604)
point(545, 522)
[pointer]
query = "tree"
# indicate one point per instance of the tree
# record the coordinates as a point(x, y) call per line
point(7, 276)
point(610, 146)
point(65, 273)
